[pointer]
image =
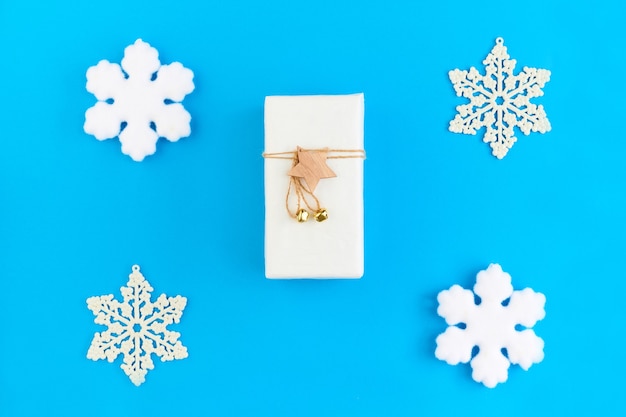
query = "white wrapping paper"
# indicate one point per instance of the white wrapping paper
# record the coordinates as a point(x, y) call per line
point(333, 248)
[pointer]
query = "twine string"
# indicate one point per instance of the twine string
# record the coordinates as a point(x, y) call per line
point(358, 153)
point(304, 195)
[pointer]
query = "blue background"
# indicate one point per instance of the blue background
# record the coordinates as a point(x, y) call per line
point(77, 214)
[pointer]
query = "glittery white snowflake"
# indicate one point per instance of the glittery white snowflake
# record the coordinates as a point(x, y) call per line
point(499, 100)
point(137, 327)
point(140, 103)
point(490, 326)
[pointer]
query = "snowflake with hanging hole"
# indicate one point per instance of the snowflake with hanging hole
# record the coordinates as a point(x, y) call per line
point(499, 100)
point(137, 327)
point(139, 101)
point(491, 326)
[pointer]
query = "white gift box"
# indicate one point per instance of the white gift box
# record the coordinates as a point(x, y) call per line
point(329, 249)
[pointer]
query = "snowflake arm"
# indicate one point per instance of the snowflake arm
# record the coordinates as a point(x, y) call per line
point(105, 80)
point(174, 122)
point(138, 141)
point(102, 121)
point(490, 367)
point(499, 100)
point(455, 304)
point(493, 285)
point(526, 307)
point(137, 328)
point(453, 346)
point(525, 349)
point(174, 81)
point(105, 346)
point(140, 60)
point(137, 362)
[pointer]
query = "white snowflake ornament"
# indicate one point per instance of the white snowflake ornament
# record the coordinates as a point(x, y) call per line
point(499, 100)
point(139, 101)
point(490, 326)
point(137, 327)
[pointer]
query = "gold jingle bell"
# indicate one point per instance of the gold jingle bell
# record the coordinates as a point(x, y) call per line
point(302, 215)
point(321, 215)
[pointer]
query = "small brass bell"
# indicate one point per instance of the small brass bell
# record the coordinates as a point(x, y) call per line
point(302, 215)
point(321, 215)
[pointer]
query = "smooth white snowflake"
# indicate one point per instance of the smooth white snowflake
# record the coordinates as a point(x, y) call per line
point(140, 103)
point(499, 100)
point(137, 327)
point(490, 326)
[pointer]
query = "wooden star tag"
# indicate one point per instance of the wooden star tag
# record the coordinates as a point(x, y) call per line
point(312, 167)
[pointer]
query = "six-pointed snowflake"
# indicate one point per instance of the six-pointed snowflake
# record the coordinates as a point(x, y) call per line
point(499, 100)
point(140, 103)
point(490, 326)
point(137, 327)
